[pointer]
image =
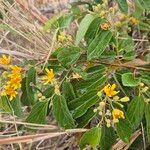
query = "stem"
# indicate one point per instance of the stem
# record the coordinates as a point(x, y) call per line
point(114, 76)
point(143, 136)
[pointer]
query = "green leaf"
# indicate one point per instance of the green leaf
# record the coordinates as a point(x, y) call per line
point(91, 83)
point(50, 24)
point(16, 105)
point(82, 99)
point(146, 4)
point(135, 111)
point(91, 137)
point(97, 69)
point(4, 104)
point(83, 27)
point(49, 91)
point(24, 98)
point(123, 6)
point(93, 29)
point(61, 112)
point(129, 80)
point(86, 118)
point(99, 44)
point(68, 56)
point(124, 130)
point(65, 21)
point(86, 104)
point(38, 113)
point(27, 96)
point(108, 138)
point(147, 57)
point(68, 91)
point(147, 116)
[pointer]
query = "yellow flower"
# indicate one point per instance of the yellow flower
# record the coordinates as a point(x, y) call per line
point(134, 20)
point(49, 76)
point(15, 81)
point(4, 60)
point(105, 26)
point(117, 114)
point(61, 37)
point(15, 69)
point(76, 76)
point(110, 90)
point(10, 91)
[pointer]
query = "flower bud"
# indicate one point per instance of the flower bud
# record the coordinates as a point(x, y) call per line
point(141, 84)
point(100, 113)
point(116, 98)
point(108, 120)
point(95, 110)
point(124, 99)
point(99, 94)
point(108, 125)
point(39, 95)
point(43, 97)
point(108, 112)
point(102, 104)
point(145, 89)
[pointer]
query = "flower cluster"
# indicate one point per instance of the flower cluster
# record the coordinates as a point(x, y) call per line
point(14, 78)
point(4, 60)
point(62, 37)
point(100, 9)
point(106, 110)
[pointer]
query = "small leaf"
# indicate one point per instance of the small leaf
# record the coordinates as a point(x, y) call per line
point(27, 97)
point(38, 113)
point(83, 27)
point(82, 99)
point(68, 56)
point(49, 92)
point(65, 21)
point(16, 105)
point(4, 104)
point(93, 29)
point(86, 118)
point(91, 137)
point(50, 24)
point(108, 138)
point(135, 111)
point(98, 45)
point(68, 91)
point(61, 112)
point(129, 80)
point(146, 4)
point(82, 109)
point(91, 83)
point(123, 6)
point(124, 130)
point(147, 57)
point(147, 116)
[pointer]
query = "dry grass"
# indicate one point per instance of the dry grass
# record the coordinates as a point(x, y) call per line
point(21, 36)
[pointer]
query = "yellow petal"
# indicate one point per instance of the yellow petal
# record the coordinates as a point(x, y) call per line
point(113, 86)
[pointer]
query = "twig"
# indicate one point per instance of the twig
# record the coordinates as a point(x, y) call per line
point(37, 137)
point(51, 48)
point(16, 53)
point(30, 124)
